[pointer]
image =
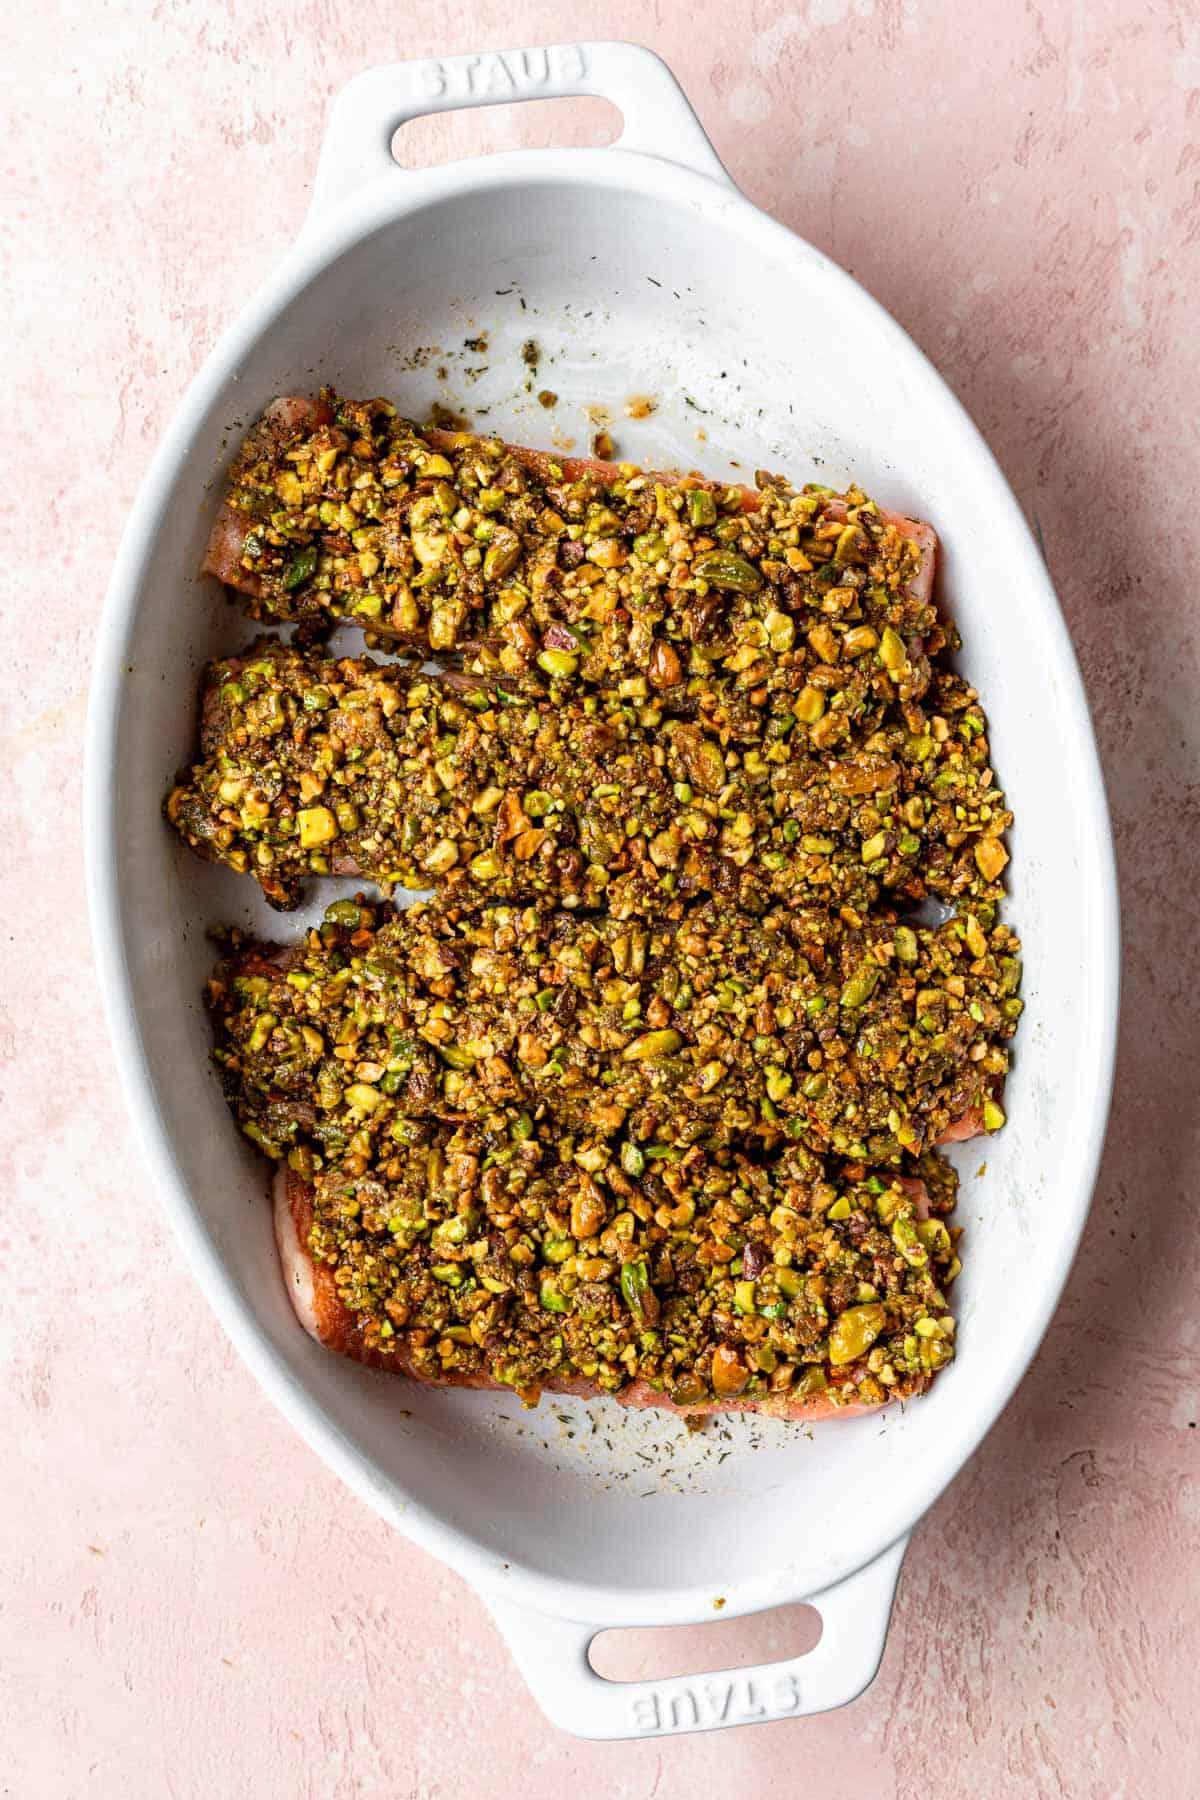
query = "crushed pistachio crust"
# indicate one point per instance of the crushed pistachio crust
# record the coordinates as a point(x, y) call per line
point(650, 1093)
point(641, 1109)
point(483, 1228)
point(618, 579)
point(315, 765)
point(489, 1250)
point(867, 1040)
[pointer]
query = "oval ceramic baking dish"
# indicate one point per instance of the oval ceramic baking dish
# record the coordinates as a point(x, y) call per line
point(633, 269)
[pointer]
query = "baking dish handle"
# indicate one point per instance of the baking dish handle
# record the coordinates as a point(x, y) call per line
point(552, 1655)
point(366, 113)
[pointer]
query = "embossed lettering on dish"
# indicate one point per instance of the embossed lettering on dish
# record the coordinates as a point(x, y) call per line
point(507, 73)
point(736, 1702)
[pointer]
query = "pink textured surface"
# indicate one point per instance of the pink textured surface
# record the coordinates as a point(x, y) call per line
point(189, 1603)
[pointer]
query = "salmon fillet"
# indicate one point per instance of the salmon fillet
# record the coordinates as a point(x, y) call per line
point(520, 1007)
point(286, 417)
point(312, 1292)
point(495, 789)
point(374, 566)
point(364, 1155)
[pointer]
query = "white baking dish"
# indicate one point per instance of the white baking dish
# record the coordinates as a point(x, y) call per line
point(642, 270)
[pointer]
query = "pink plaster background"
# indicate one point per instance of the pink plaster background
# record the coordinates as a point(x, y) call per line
point(189, 1604)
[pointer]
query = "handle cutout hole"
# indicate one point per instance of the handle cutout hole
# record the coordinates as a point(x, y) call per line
point(665, 1651)
point(570, 122)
